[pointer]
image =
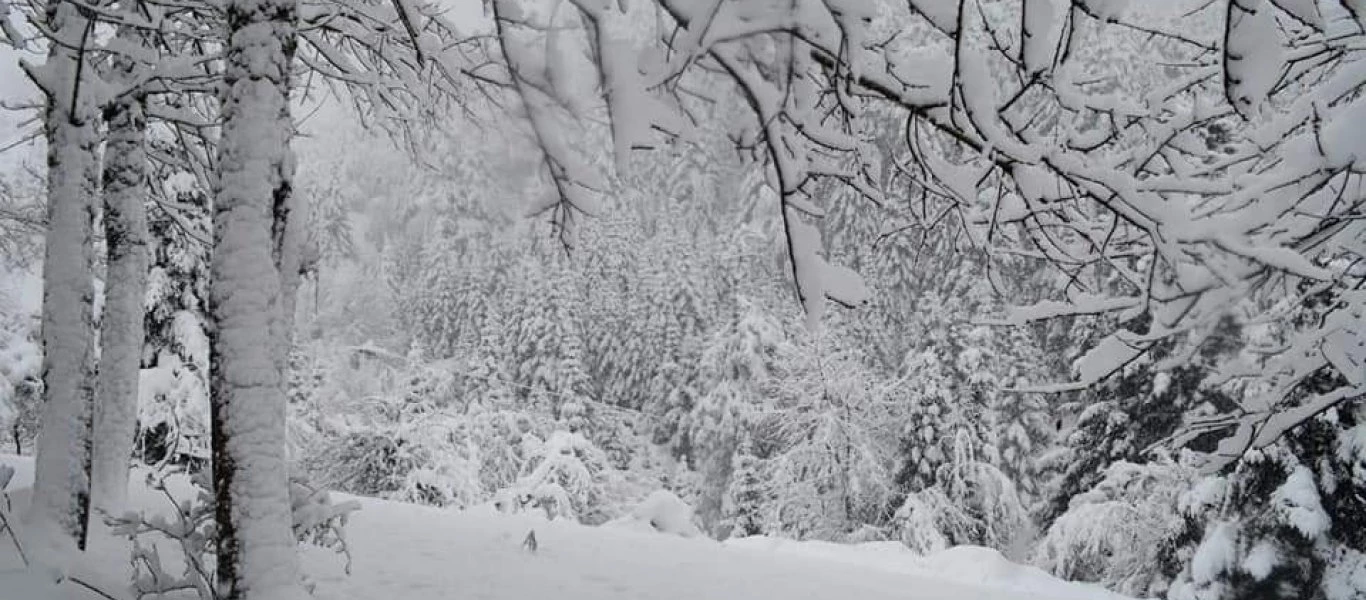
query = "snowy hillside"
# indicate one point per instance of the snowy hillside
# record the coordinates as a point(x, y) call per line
point(409, 552)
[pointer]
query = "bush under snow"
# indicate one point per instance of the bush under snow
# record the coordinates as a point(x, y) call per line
point(664, 512)
point(563, 476)
point(1117, 533)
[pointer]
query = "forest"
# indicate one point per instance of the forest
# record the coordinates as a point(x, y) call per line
point(1079, 283)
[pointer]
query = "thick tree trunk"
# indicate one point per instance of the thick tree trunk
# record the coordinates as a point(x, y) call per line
point(121, 328)
point(257, 557)
point(60, 506)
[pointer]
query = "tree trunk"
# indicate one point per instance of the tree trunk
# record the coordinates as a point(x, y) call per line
point(291, 217)
point(61, 490)
point(257, 558)
point(121, 328)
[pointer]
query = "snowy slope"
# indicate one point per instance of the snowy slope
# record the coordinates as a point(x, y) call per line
point(408, 552)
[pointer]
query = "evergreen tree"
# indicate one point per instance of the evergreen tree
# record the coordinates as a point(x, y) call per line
point(743, 510)
point(1130, 411)
point(737, 371)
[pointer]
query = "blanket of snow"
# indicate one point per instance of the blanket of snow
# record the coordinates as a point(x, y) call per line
point(408, 552)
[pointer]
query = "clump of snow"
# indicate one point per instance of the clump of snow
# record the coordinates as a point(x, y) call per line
point(1339, 145)
point(941, 14)
point(1261, 560)
point(1217, 553)
point(1043, 30)
point(662, 511)
point(1161, 382)
point(1108, 355)
point(1297, 501)
point(1253, 57)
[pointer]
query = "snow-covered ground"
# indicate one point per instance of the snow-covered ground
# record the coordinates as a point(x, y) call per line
point(408, 552)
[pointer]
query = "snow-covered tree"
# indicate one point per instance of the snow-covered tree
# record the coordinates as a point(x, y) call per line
point(1123, 533)
point(126, 242)
point(746, 507)
point(738, 369)
point(564, 476)
point(61, 490)
point(969, 502)
point(832, 437)
point(255, 259)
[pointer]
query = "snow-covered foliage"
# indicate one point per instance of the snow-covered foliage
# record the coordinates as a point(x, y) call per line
point(317, 521)
point(1276, 524)
point(563, 476)
point(1123, 532)
point(969, 501)
point(173, 407)
point(20, 387)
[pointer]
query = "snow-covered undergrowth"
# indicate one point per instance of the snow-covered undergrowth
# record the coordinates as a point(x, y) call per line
point(411, 552)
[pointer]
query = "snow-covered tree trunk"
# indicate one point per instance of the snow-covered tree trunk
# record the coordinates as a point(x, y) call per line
point(291, 220)
point(61, 490)
point(257, 558)
point(121, 325)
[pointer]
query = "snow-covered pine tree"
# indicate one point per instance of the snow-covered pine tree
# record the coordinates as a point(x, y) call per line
point(749, 496)
point(1285, 520)
point(1121, 417)
point(174, 417)
point(935, 412)
point(738, 367)
point(550, 365)
point(1021, 421)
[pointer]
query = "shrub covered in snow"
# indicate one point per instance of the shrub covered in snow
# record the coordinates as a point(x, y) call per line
point(20, 386)
point(564, 476)
point(408, 430)
point(1123, 532)
point(173, 402)
point(317, 521)
point(370, 463)
point(971, 502)
point(665, 512)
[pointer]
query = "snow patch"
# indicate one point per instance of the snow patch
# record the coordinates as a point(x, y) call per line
point(1261, 560)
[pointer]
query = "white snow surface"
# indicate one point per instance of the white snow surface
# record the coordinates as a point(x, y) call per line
point(409, 552)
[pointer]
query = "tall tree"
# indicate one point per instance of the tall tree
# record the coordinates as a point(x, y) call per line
point(253, 252)
point(125, 282)
point(61, 489)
